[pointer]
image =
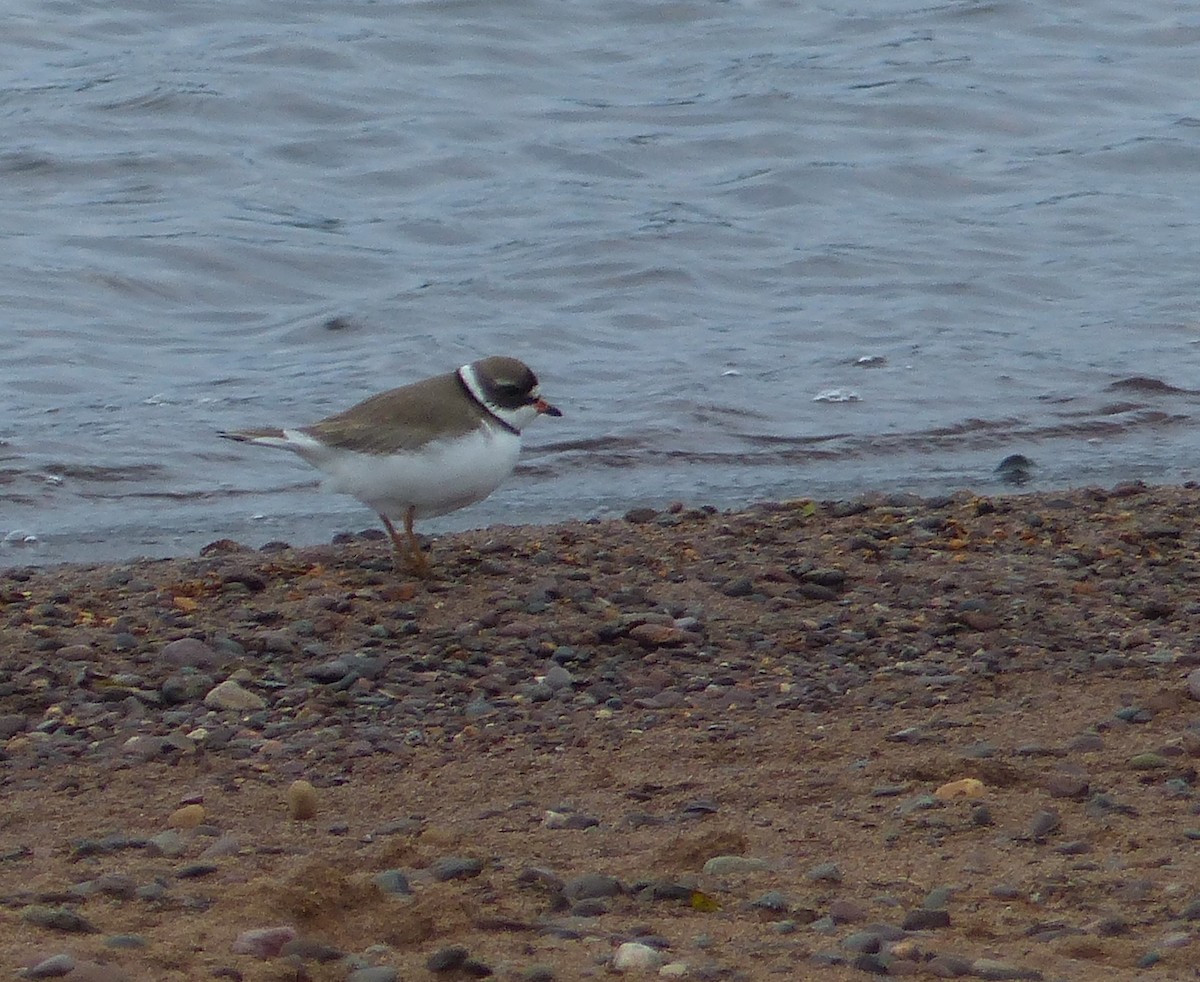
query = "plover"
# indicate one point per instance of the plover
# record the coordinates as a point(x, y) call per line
point(423, 449)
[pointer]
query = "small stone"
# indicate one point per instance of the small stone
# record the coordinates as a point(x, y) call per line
point(1086, 742)
point(1067, 785)
point(846, 912)
point(57, 919)
point(967, 787)
point(945, 966)
point(921, 802)
point(11, 724)
point(195, 871)
point(741, 586)
point(590, 886)
point(633, 956)
point(926, 919)
point(657, 636)
point(189, 653)
point(226, 845)
point(732, 865)
point(825, 873)
point(990, 968)
point(1193, 683)
point(169, 844)
point(456, 868)
point(772, 900)
point(448, 959)
point(558, 678)
point(187, 817)
point(1148, 762)
point(938, 897)
point(301, 801)
point(263, 942)
point(119, 885)
point(392, 881)
point(125, 941)
point(867, 942)
point(230, 695)
point(54, 967)
point(872, 964)
point(1044, 822)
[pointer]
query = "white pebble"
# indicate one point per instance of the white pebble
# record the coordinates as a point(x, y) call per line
point(635, 957)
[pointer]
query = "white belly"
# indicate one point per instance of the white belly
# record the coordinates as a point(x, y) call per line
point(440, 478)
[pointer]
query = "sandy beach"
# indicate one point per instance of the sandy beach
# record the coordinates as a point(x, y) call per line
point(938, 738)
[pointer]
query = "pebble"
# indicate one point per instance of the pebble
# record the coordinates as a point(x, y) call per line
point(990, 968)
point(1065, 784)
point(189, 653)
point(54, 967)
point(57, 919)
point(925, 919)
point(967, 787)
point(633, 956)
point(863, 941)
point(187, 817)
point(1193, 683)
point(456, 868)
point(947, 966)
point(1044, 822)
point(448, 959)
point(732, 865)
point(772, 900)
point(226, 845)
point(846, 912)
point(591, 885)
point(169, 844)
point(921, 802)
point(130, 941)
point(301, 801)
point(823, 873)
point(392, 881)
point(263, 942)
point(230, 695)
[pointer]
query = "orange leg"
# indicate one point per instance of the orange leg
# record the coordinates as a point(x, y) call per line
point(412, 556)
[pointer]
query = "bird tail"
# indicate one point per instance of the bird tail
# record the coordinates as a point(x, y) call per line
point(263, 438)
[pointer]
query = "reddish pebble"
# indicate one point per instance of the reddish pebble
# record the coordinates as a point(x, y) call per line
point(263, 942)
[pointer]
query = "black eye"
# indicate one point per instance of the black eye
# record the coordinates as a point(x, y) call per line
point(510, 389)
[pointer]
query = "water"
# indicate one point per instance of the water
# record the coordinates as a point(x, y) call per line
point(978, 223)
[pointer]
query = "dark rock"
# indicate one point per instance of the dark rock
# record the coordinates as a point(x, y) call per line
point(925, 919)
point(456, 868)
point(57, 919)
point(448, 959)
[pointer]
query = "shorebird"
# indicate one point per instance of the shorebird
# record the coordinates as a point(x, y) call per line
point(423, 449)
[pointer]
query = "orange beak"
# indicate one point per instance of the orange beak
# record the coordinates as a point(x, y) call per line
point(542, 406)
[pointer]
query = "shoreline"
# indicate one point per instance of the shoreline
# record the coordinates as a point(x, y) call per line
point(371, 531)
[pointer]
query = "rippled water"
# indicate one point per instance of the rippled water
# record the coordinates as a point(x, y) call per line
point(753, 249)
